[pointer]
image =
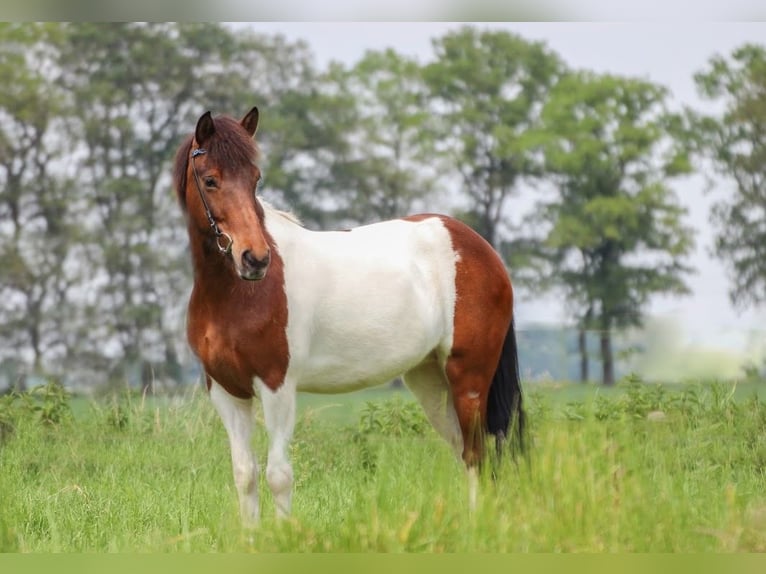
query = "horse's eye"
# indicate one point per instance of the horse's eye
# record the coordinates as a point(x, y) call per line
point(209, 182)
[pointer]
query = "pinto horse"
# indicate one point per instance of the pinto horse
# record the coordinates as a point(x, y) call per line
point(277, 308)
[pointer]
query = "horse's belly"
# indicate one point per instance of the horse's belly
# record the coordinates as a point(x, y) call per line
point(366, 349)
point(352, 371)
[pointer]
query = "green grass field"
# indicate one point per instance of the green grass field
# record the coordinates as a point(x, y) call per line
point(637, 468)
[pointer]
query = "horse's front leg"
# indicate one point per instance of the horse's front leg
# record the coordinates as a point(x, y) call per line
point(237, 417)
point(279, 415)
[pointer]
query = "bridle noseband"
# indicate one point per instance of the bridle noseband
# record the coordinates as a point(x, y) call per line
point(226, 248)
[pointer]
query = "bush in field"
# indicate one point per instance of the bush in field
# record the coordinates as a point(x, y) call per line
point(47, 405)
point(395, 417)
point(639, 400)
point(7, 417)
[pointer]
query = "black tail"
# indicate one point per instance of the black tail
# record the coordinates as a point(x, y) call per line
point(504, 404)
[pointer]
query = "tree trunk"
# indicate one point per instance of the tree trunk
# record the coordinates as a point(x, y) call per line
point(488, 225)
point(582, 345)
point(607, 360)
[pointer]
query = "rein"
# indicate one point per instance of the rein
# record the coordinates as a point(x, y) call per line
point(226, 248)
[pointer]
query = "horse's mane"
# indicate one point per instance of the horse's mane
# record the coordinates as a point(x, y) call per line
point(231, 148)
point(288, 215)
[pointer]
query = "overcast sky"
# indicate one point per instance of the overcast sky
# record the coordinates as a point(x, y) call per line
point(667, 53)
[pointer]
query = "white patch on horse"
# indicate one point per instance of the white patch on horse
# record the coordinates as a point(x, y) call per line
point(346, 330)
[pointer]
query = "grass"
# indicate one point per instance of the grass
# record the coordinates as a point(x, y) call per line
point(639, 468)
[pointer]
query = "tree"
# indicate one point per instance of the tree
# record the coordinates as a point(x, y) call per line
point(487, 89)
point(735, 142)
point(338, 148)
point(300, 127)
point(35, 234)
point(615, 232)
point(380, 168)
point(134, 89)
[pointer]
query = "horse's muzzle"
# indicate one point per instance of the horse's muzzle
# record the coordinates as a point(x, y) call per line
point(254, 269)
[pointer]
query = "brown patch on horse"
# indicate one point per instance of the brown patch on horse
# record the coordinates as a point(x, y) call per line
point(483, 313)
point(479, 330)
point(238, 328)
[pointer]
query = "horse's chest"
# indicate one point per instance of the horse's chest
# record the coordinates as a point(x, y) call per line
point(237, 347)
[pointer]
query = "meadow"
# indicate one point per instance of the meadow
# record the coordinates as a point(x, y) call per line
point(638, 468)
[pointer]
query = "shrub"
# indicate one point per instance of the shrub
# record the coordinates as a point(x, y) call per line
point(47, 405)
point(395, 417)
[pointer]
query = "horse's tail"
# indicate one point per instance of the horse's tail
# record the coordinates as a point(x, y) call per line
point(504, 403)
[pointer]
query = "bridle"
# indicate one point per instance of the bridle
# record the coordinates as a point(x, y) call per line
point(226, 248)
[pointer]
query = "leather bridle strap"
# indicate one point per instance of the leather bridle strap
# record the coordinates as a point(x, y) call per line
point(226, 248)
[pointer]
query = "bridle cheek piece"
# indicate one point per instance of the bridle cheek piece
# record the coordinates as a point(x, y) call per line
point(223, 240)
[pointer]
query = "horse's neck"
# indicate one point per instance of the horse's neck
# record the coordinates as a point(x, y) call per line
point(214, 274)
point(216, 279)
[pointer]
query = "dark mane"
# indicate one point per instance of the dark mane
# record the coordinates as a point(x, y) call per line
point(231, 149)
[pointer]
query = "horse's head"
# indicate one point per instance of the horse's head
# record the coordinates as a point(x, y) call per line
point(216, 178)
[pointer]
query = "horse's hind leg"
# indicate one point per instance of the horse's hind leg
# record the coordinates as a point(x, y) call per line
point(237, 418)
point(429, 385)
point(469, 385)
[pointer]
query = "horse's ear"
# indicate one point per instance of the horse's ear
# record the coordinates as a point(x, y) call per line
point(205, 129)
point(250, 121)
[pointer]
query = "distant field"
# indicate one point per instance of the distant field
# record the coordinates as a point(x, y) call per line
point(635, 468)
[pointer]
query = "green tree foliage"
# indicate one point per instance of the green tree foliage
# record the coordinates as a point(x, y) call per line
point(133, 90)
point(92, 243)
point(380, 169)
point(299, 126)
point(615, 232)
point(735, 141)
point(35, 235)
point(488, 88)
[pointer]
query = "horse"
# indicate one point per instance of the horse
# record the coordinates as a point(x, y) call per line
point(277, 308)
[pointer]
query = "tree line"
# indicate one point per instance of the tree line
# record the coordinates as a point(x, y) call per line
point(93, 251)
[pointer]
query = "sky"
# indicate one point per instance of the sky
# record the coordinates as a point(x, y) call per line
point(668, 53)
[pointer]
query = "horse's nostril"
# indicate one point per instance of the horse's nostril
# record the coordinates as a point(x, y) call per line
point(251, 261)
